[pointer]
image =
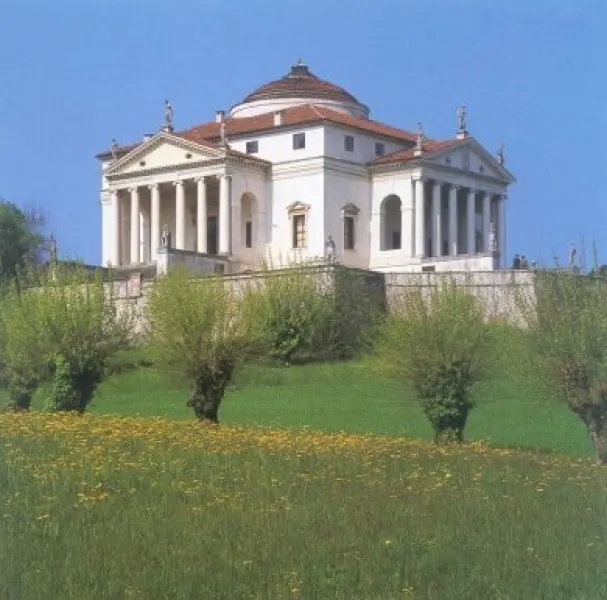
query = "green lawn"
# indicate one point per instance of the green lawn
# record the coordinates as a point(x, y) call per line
point(352, 397)
point(110, 508)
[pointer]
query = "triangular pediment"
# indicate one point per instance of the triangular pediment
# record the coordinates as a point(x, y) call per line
point(162, 151)
point(471, 157)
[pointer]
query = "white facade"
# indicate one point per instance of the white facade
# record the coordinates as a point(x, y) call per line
point(252, 194)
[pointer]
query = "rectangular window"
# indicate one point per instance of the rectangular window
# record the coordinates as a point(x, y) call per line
point(299, 141)
point(299, 231)
point(349, 143)
point(248, 234)
point(348, 233)
point(252, 147)
point(380, 149)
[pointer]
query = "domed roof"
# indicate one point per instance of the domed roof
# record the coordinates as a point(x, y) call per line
point(299, 86)
point(299, 82)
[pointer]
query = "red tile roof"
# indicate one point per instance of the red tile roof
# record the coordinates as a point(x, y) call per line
point(208, 133)
point(430, 147)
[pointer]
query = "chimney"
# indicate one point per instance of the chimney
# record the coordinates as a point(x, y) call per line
point(219, 115)
point(278, 115)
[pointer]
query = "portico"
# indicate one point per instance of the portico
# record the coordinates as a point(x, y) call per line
point(453, 219)
point(195, 211)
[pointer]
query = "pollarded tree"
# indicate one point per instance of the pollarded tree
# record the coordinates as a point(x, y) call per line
point(567, 330)
point(73, 327)
point(436, 338)
point(195, 327)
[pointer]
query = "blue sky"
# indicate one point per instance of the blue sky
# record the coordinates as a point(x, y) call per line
point(532, 74)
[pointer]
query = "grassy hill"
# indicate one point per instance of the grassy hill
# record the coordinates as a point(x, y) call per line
point(348, 396)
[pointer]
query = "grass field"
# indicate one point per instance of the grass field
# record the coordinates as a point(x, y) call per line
point(94, 508)
point(320, 483)
point(351, 397)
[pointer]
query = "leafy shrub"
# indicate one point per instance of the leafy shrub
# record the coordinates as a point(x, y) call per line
point(436, 339)
point(309, 312)
point(284, 311)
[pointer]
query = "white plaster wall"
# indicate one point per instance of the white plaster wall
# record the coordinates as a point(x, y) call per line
point(277, 147)
point(341, 189)
point(399, 183)
point(364, 144)
point(307, 188)
point(257, 184)
point(260, 107)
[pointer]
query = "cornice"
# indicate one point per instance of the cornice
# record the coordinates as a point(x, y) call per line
point(190, 166)
point(481, 177)
point(158, 140)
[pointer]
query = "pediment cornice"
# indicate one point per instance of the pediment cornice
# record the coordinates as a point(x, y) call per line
point(156, 141)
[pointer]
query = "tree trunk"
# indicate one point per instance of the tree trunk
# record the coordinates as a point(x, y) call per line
point(598, 435)
point(205, 409)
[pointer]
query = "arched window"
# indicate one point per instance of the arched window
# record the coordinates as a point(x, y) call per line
point(248, 220)
point(391, 223)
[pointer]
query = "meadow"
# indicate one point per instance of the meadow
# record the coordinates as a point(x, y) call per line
point(320, 482)
point(119, 507)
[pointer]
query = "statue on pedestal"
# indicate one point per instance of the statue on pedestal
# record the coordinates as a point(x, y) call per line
point(168, 116)
point(165, 240)
point(330, 247)
point(492, 238)
point(419, 142)
point(114, 148)
point(500, 154)
point(461, 119)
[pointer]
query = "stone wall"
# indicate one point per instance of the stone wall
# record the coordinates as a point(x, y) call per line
point(504, 294)
point(500, 291)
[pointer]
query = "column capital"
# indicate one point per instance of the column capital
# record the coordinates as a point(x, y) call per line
point(201, 178)
point(134, 190)
point(178, 182)
point(153, 186)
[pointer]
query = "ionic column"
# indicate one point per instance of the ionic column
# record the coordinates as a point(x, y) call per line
point(201, 215)
point(453, 250)
point(471, 222)
point(436, 219)
point(179, 215)
point(420, 248)
point(115, 256)
point(135, 227)
point(486, 220)
point(501, 230)
point(224, 214)
point(155, 226)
